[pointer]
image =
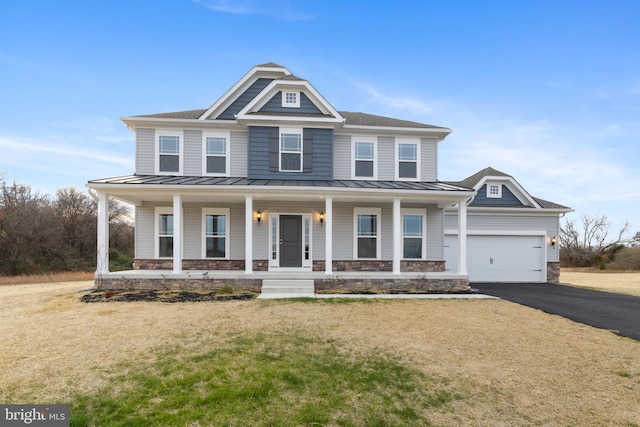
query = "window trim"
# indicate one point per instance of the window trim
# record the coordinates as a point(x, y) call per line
point(227, 137)
point(203, 231)
point(498, 195)
point(423, 213)
point(416, 142)
point(368, 139)
point(286, 104)
point(169, 132)
point(367, 211)
point(291, 131)
point(157, 212)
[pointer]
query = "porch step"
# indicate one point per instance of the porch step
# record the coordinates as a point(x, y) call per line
point(275, 288)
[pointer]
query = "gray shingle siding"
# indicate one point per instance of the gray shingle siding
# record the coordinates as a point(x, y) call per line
point(275, 106)
point(244, 99)
point(507, 199)
point(259, 162)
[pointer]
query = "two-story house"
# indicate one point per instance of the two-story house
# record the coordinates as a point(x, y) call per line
point(272, 188)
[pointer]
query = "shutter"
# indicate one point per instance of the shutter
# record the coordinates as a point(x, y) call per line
point(274, 149)
point(307, 151)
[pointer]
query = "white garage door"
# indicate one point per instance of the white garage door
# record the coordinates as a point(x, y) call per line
point(500, 258)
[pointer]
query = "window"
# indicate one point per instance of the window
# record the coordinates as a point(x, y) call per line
point(290, 99)
point(216, 154)
point(169, 150)
point(413, 234)
point(216, 238)
point(408, 164)
point(164, 232)
point(367, 236)
point(290, 150)
point(494, 191)
point(364, 158)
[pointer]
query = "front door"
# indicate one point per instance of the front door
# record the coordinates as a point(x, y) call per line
point(290, 241)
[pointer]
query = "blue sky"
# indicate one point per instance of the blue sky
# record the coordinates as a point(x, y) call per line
point(547, 91)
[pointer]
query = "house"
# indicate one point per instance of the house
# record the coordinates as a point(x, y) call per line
point(273, 189)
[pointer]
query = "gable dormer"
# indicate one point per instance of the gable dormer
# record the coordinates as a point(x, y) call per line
point(498, 189)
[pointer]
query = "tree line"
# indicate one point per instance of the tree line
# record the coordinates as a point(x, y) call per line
point(591, 243)
point(40, 233)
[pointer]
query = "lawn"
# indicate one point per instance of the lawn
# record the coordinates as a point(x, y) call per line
point(335, 362)
point(603, 280)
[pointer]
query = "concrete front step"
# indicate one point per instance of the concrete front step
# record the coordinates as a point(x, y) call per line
point(273, 288)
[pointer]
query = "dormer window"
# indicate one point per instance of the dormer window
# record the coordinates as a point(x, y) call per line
point(494, 191)
point(291, 99)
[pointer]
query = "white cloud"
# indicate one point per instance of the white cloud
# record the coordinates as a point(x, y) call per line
point(279, 9)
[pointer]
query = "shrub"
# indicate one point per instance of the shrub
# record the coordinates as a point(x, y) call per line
point(627, 259)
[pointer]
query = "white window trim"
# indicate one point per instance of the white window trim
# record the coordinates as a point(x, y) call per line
point(396, 157)
point(373, 140)
point(297, 131)
point(227, 137)
point(161, 211)
point(368, 211)
point(494, 196)
point(415, 211)
point(170, 132)
point(286, 104)
point(227, 240)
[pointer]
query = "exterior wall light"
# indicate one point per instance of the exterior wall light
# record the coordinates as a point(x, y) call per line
point(553, 241)
point(259, 216)
point(321, 218)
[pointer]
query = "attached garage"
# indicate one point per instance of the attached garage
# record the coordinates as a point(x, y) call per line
point(500, 258)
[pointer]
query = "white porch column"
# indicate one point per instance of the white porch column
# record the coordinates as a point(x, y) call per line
point(103, 233)
point(462, 237)
point(248, 234)
point(328, 235)
point(397, 236)
point(177, 234)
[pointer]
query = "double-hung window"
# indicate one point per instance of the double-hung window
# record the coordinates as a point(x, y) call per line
point(367, 233)
point(408, 160)
point(169, 152)
point(216, 153)
point(290, 150)
point(413, 234)
point(216, 233)
point(364, 159)
point(164, 232)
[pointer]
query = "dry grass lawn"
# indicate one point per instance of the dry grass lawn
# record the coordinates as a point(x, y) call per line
point(619, 282)
point(513, 365)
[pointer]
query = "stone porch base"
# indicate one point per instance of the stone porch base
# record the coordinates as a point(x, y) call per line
point(349, 282)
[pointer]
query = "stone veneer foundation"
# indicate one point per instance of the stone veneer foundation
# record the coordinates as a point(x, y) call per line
point(553, 272)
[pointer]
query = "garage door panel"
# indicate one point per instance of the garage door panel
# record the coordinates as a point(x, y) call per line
point(500, 258)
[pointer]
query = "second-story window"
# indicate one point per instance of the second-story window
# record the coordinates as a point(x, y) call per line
point(408, 163)
point(290, 150)
point(364, 160)
point(169, 153)
point(291, 99)
point(216, 154)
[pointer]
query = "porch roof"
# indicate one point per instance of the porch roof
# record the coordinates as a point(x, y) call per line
point(129, 188)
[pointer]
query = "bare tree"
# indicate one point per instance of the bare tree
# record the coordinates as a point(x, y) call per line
point(585, 244)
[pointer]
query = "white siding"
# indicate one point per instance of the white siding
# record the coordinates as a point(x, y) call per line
point(342, 231)
point(435, 234)
point(145, 245)
point(238, 154)
point(342, 157)
point(145, 151)
point(192, 231)
point(386, 158)
point(548, 223)
point(192, 153)
point(429, 159)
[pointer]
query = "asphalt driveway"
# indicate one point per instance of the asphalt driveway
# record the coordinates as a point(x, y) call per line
point(615, 312)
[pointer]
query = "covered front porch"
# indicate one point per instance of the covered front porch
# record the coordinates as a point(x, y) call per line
point(341, 237)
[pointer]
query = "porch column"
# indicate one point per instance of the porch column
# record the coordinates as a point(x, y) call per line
point(248, 234)
point(462, 237)
point(328, 235)
point(103, 234)
point(397, 236)
point(177, 233)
